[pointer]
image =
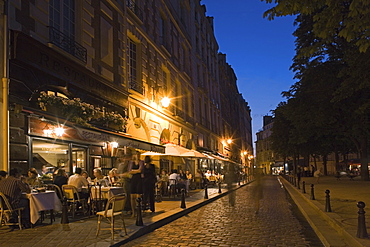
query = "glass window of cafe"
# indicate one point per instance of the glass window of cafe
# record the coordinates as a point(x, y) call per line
point(54, 155)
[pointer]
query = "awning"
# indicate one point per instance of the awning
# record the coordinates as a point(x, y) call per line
point(89, 136)
point(176, 150)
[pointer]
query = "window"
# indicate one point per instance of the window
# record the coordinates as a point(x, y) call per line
point(62, 16)
point(134, 83)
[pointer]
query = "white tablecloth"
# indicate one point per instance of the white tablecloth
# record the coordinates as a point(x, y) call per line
point(106, 192)
point(43, 201)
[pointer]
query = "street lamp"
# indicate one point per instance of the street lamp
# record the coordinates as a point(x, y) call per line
point(229, 141)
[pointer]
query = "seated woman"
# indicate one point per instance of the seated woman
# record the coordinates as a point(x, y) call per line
point(99, 178)
point(32, 179)
point(113, 177)
point(60, 178)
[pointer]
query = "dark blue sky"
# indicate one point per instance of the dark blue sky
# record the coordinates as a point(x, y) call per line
point(260, 51)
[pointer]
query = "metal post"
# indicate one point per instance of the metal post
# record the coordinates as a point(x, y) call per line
point(298, 182)
point(183, 198)
point(139, 218)
point(312, 192)
point(327, 205)
point(206, 191)
point(304, 187)
point(64, 219)
point(219, 187)
point(361, 229)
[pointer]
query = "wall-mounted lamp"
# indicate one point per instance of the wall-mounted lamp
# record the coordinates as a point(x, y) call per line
point(165, 101)
point(59, 131)
point(229, 141)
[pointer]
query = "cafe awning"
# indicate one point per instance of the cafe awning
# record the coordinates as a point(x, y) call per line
point(176, 150)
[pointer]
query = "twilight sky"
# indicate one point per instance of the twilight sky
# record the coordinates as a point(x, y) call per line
point(260, 51)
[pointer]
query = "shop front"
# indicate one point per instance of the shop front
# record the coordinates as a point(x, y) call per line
point(55, 145)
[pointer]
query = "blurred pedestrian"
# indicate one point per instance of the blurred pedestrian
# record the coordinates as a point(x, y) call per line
point(149, 180)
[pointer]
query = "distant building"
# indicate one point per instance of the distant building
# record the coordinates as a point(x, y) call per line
point(265, 157)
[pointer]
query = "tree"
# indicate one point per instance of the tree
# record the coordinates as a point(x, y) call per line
point(335, 35)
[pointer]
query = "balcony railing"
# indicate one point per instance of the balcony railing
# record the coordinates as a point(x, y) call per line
point(67, 44)
point(135, 9)
point(136, 86)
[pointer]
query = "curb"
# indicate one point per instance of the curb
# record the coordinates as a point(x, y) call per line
point(332, 219)
point(151, 227)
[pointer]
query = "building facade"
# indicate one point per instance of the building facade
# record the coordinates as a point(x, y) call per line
point(88, 81)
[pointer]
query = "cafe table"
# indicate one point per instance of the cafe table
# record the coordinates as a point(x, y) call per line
point(105, 192)
point(43, 201)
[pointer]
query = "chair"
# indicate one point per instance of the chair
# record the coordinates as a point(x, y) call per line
point(6, 212)
point(198, 182)
point(73, 199)
point(113, 208)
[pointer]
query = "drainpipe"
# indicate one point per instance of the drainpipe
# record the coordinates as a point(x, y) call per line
point(5, 91)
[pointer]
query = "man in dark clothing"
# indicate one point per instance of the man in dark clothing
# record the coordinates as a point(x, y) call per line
point(12, 187)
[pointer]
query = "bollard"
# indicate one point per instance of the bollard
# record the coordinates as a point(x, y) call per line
point(361, 229)
point(183, 198)
point(205, 191)
point(295, 181)
point(64, 219)
point(139, 217)
point(219, 187)
point(312, 192)
point(304, 187)
point(327, 205)
point(298, 182)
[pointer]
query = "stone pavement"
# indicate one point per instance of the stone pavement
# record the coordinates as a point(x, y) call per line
point(234, 220)
point(339, 227)
point(82, 232)
point(336, 228)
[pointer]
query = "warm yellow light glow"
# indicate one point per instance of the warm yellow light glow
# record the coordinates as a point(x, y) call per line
point(229, 141)
point(59, 131)
point(114, 144)
point(245, 152)
point(165, 101)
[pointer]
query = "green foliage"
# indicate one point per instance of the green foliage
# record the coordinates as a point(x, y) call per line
point(329, 107)
point(80, 112)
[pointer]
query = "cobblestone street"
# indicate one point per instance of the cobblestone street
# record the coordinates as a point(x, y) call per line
point(233, 221)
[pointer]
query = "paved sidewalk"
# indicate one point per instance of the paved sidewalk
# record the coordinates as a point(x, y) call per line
point(339, 227)
point(81, 233)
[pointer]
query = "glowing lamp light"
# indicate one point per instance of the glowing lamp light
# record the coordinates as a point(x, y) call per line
point(245, 152)
point(229, 141)
point(59, 131)
point(114, 144)
point(165, 101)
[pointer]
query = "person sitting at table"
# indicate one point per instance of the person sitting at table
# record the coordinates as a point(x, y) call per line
point(3, 175)
point(33, 179)
point(99, 178)
point(163, 182)
point(80, 183)
point(174, 180)
point(184, 180)
point(60, 178)
point(12, 187)
point(113, 177)
point(86, 175)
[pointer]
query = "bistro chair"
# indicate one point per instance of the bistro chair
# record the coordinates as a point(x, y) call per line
point(73, 199)
point(113, 208)
point(6, 212)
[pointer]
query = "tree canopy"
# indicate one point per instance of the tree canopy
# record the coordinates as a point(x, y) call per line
point(330, 104)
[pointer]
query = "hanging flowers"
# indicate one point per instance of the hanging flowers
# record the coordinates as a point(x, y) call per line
point(81, 112)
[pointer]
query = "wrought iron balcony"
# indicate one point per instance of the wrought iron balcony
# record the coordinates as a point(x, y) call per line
point(136, 86)
point(135, 9)
point(67, 44)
